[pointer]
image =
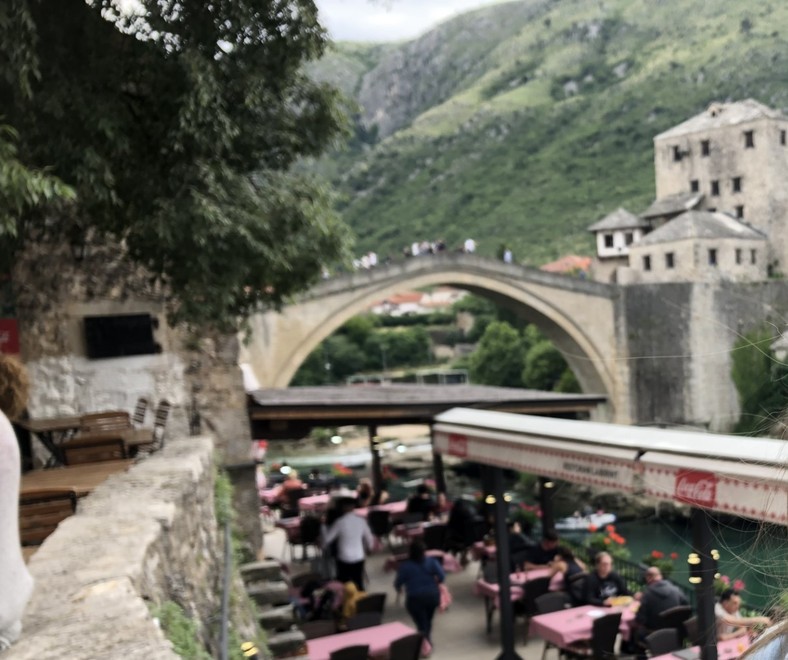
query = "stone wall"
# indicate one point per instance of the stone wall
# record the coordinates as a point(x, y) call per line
point(142, 538)
point(53, 292)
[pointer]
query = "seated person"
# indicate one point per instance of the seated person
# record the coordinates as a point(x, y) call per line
point(442, 504)
point(519, 545)
point(290, 484)
point(421, 502)
point(604, 583)
point(381, 497)
point(565, 566)
point(543, 553)
point(729, 623)
point(658, 596)
point(364, 492)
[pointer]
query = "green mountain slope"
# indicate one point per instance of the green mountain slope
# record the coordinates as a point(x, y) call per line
point(525, 122)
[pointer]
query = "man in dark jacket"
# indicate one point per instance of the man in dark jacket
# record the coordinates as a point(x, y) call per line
point(604, 583)
point(660, 595)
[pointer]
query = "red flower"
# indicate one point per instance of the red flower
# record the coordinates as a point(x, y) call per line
point(592, 528)
point(611, 528)
point(607, 541)
point(656, 554)
point(738, 585)
point(674, 556)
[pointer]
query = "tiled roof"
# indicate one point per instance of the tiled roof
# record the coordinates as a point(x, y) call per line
point(701, 224)
point(568, 264)
point(718, 115)
point(672, 204)
point(618, 219)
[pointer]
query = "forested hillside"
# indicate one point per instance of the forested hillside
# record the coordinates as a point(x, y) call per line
point(523, 123)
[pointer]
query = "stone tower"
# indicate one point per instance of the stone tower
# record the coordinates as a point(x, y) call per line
point(735, 156)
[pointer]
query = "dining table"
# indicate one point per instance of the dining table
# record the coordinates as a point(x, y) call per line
point(568, 626)
point(491, 591)
point(82, 479)
point(730, 649)
point(378, 638)
point(52, 432)
point(316, 503)
point(397, 508)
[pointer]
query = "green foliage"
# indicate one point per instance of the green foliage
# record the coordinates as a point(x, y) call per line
point(179, 129)
point(761, 381)
point(608, 541)
point(223, 497)
point(498, 359)
point(568, 383)
point(544, 366)
point(181, 630)
point(665, 563)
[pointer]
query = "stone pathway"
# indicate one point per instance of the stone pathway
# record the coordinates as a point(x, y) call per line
point(458, 634)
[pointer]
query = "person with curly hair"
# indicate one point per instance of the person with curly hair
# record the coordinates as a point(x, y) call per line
point(14, 576)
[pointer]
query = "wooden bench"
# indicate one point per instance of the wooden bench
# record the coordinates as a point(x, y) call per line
point(41, 511)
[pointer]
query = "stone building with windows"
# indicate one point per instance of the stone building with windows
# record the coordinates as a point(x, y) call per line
point(721, 203)
point(615, 233)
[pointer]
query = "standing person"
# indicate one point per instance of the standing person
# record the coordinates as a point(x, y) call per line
point(507, 256)
point(364, 493)
point(729, 623)
point(421, 502)
point(14, 576)
point(604, 583)
point(420, 575)
point(519, 545)
point(659, 595)
point(469, 246)
point(354, 539)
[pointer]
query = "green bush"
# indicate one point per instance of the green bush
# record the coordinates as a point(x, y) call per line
point(181, 630)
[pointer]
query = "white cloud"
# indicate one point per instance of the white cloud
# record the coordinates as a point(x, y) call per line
point(388, 20)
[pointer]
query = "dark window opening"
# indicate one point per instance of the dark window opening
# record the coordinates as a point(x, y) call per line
point(739, 211)
point(608, 240)
point(736, 184)
point(749, 139)
point(705, 147)
point(676, 153)
point(647, 262)
point(712, 209)
point(694, 185)
point(738, 256)
point(752, 257)
point(715, 188)
point(782, 138)
point(670, 260)
point(628, 237)
point(712, 257)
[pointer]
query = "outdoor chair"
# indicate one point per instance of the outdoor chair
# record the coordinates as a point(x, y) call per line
point(359, 652)
point(364, 620)
point(435, 537)
point(533, 589)
point(406, 648)
point(663, 641)
point(138, 418)
point(94, 448)
point(674, 617)
point(552, 601)
point(690, 630)
point(40, 512)
point(604, 632)
point(308, 534)
point(317, 628)
point(371, 603)
point(380, 524)
point(108, 420)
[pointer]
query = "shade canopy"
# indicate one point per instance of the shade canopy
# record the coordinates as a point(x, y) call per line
point(738, 475)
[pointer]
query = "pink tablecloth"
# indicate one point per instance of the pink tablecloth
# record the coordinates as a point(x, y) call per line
point(290, 525)
point(519, 584)
point(378, 638)
point(394, 508)
point(479, 550)
point(730, 649)
point(568, 626)
point(269, 495)
point(314, 502)
point(449, 562)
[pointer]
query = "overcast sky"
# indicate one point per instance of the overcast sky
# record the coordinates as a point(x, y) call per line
point(388, 20)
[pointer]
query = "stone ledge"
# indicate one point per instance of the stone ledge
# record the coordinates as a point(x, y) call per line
point(143, 536)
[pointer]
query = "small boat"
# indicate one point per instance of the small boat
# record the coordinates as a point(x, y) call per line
point(579, 523)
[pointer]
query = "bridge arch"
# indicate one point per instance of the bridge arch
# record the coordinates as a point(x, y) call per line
point(576, 315)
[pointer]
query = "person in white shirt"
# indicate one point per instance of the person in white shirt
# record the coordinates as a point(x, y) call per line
point(470, 246)
point(353, 538)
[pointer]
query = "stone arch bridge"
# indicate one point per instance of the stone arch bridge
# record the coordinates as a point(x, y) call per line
point(661, 353)
point(577, 315)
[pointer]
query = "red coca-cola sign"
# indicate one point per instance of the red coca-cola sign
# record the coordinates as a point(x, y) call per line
point(458, 445)
point(696, 488)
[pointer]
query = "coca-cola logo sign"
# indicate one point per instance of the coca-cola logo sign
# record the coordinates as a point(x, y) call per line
point(458, 445)
point(696, 488)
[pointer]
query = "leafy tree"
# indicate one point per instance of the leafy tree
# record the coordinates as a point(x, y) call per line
point(761, 381)
point(499, 357)
point(544, 366)
point(178, 126)
point(359, 328)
